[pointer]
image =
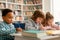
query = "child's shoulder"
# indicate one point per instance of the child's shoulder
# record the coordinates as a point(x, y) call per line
point(1, 23)
point(28, 21)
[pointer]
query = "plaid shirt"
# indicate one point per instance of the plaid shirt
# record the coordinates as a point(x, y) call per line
point(31, 25)
point(5, 30)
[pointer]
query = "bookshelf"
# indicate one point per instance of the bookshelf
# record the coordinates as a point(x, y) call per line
point(21, 7)
point(29, 6)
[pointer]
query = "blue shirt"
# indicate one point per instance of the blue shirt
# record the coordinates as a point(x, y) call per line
point(5, 30)
point(18, 24)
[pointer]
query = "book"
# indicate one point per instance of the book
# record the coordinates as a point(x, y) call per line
point(53, 32)
point(56, 32)
point(33, 33)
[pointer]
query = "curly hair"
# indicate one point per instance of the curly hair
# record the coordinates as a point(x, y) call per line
point(37, 14)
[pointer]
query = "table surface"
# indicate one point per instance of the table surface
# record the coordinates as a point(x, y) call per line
point(18, 36)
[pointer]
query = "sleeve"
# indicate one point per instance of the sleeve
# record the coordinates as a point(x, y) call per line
point(29, 25)
point(3, 30)
point(56, 26)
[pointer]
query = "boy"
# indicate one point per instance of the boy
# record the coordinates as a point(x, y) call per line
point(6, 26)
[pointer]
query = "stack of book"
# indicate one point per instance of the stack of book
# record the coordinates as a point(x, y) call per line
point(33, 33)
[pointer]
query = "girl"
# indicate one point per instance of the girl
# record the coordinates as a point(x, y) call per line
point(49, 23)
point(35, 22)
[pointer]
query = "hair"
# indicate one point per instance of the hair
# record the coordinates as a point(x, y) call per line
point(6, 11)
point(48, 17)
point(44, 22)
point(37, 14)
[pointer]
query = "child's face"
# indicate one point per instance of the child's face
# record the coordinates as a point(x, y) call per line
point(20, 18)
point(39, 20)
point(9, 17)
point(50, 21)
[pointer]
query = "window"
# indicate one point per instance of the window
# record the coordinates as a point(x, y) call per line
point(56, 10)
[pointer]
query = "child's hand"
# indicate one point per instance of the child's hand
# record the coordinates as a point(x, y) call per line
point(41, 27)
point(19, 29)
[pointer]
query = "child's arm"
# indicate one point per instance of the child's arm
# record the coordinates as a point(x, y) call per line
point(42, 27)
point(56, 27)
point(47, 28)
point(19, 29)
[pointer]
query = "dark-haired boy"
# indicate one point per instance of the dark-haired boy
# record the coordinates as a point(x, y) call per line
point(6, 26)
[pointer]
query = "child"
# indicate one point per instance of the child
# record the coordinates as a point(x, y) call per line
point(49, 23)
point(35, 22)
point(6, 27)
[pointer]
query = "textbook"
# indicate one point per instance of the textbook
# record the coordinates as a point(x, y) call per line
point(33, 33)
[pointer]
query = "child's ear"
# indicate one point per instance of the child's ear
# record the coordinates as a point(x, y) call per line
point(3, 17)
